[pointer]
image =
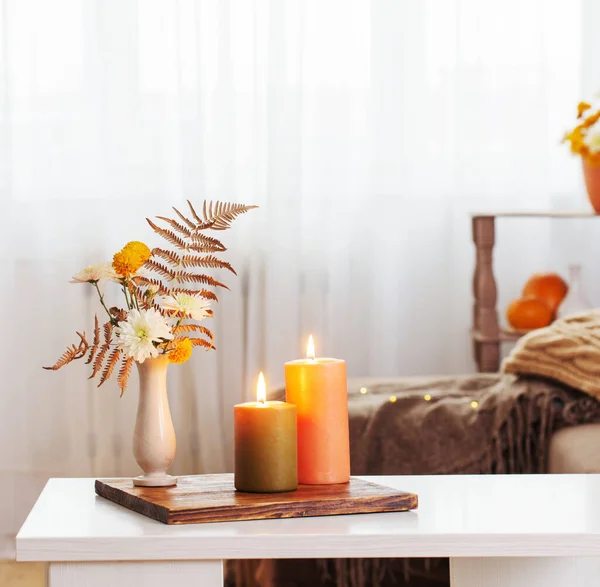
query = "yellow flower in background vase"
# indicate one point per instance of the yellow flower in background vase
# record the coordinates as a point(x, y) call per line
point(582, 107)
point(182, 352)
point(130, 258)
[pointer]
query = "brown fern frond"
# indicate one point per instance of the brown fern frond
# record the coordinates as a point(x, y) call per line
point(186, 220)
point(96, 341)
point(195, 215)
point(199, 224)
point(170, 257)
point(124, 373)
point(222, 214)
point(161, 269)
point(203, 293)
point(182, 328)
point(145, 296)
point(185, 276)
point(103, 350)
point(150, 282)
point(184, 230)
point(140, 294)
point(159, 309)
point(113, 359)
point(206, 244)
point(202, 342)
point(207, 261)
point(72, 353)
point(108, 329)
point(118, 314)
point(168, 235)
point(208, 295)
point(69, 355)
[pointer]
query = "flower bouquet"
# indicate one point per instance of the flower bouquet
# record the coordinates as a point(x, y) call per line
point(584, 140)
point(165, 297)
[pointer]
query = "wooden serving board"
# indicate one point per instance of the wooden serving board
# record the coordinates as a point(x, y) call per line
point(213, 498)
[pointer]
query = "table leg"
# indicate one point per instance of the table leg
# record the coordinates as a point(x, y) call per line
point(485, 315)
point(143, 574)
point(524, 572)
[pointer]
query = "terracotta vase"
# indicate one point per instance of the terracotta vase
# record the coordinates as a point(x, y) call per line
point(154, 441)
point(591, 174)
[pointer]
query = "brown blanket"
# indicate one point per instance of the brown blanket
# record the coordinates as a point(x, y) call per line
point(485, 423)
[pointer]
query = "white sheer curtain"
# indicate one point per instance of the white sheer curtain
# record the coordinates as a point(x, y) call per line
point(366, 131)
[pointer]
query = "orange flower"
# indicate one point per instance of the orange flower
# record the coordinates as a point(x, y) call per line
point(182, 351)
point(130, 258)
point(590, 120)
point(581, 108)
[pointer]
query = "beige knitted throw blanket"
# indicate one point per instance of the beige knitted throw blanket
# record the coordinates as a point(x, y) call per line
point(568, 351)
point(485, 423)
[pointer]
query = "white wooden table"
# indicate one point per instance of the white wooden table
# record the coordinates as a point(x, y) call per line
point(509, 531)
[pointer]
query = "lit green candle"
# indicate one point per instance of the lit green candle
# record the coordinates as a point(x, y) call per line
point(265, 445)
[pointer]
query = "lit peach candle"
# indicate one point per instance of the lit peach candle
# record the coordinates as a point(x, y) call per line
point(318, 389)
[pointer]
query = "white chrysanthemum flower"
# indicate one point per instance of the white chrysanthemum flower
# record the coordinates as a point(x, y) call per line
point(191, 306)
point(592, 138)
point(136, 335)
point(95, 273)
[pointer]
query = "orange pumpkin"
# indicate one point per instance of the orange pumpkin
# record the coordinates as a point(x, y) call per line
point(528, 313)
point(550, 288)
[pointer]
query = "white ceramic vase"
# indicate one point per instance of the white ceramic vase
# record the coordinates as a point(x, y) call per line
point(154, 441)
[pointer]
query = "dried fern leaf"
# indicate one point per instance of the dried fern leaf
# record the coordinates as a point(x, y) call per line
point(170, 257)
point(206, 244)
point(178, 227)
point(103, 350)
point(161, 269)
point(182, 217)
point(108, 330)
point(185, 276)
point(124, 373)
point(207, 261)
point(183, 328)
point(150, 282)
point(113, 359)
point(195, 215)
point(203, 293)
point(141, 296)
point(118, 313)
point(203, 343)
point(146, 302)
point(68, 356)
point(72, 353)
point(96, 341)
point(159, 309)
point(197, 223)
point(168, 235)
point(222, 214)
point(208, 295)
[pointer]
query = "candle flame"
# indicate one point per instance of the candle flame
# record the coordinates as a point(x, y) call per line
point(261, 389)
point(310, 348)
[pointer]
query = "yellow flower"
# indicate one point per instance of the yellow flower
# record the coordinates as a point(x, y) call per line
point(182, 352)
point(130, 258)
point(139, 248)
point(581, 108)
point(590, 120)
